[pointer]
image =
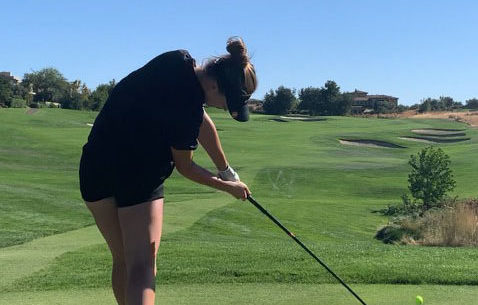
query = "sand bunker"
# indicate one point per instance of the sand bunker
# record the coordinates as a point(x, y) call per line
point(416, 139)
point(279, 120)
point(302, 118)
point(369, 143)
point(89, 124)
point(434, 140)
point(440, 132)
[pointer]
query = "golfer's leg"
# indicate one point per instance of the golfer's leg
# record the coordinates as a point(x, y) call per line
point(141, 226)
point(105, 214)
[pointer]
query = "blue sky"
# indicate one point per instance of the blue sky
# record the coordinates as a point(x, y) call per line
point(408, 49)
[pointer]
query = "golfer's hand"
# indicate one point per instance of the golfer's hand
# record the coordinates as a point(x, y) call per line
point(238, 189)
point(229, 174)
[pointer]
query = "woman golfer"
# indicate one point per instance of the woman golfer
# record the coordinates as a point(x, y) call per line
point(151, 123)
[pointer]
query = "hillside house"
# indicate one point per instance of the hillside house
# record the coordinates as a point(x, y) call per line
point(255, 105)
point(363, 102)
point(12, 77)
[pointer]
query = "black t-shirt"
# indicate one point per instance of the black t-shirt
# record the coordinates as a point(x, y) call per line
point(152, 109)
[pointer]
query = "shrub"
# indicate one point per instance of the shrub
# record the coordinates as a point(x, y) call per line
point(38, 105)
point(431, 177)
point(18, 103)
point(398, 233)
point(406, 208)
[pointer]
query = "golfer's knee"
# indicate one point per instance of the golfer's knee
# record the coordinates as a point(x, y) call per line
point(139, 270)
point(143, 265)
point(118, 254)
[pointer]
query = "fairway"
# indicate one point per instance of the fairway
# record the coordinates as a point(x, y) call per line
point(216, 250)
point(266, 294)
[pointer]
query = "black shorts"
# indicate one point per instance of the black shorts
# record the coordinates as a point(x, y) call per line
point(101, 176)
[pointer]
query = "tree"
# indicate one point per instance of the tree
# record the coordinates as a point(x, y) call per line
point(12, 94)
point(445, 103)
point(279, 101)
point(343, 104)
point(472, 103)
point(457, 105)
point(6, 90)
point(431, 177)
point(20, 91)
point(426, 105)
point(331, 96)
point(402, 108)
point(324, 101)
point(77, 97)
point(48, 85)
point(311, 100)
point(384, 107)
point(100, 95)
point(331, 90)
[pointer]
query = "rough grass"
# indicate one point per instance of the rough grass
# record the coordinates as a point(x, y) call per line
point(455, 226)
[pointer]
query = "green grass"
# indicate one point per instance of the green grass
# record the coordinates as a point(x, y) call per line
point(39, 156)
point(263, 294)
point(323, 191)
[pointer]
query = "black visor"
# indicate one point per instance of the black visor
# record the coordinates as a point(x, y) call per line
point(231, 83)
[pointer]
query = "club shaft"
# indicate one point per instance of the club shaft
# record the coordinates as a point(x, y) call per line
point(277, 222)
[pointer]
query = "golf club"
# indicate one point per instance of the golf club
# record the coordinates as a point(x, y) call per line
point(277, 222)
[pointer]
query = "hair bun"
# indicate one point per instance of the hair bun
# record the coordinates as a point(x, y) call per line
point(237, 49)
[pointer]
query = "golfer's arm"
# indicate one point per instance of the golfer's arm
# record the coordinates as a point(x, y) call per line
point(183, 160)
point(209, 139)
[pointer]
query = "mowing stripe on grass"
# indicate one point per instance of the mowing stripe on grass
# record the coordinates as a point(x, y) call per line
point(23, 260)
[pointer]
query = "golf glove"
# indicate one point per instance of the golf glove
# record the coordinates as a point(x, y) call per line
point(228, 174)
